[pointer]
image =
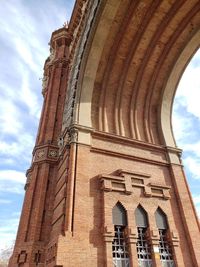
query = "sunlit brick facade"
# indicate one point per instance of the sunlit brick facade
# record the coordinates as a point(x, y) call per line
point(106, 186)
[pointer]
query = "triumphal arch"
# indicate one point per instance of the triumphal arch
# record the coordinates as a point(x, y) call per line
point(106, 186)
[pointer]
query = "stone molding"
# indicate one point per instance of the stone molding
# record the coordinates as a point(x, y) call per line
point(124, 147)
point(174, 155)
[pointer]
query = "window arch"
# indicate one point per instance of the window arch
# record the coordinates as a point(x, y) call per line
point(161, 219)
point(119, 215)
point(165, 249)
point(119, 244)
point(143, 247)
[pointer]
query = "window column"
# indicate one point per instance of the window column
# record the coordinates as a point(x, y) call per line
point(143, 245)
point(165, 246)
point(120, 250)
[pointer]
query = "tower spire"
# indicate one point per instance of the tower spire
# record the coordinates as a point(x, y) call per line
point(35, 225)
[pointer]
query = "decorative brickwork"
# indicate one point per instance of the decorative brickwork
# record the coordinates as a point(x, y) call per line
point(127, 182)
point(105, 140)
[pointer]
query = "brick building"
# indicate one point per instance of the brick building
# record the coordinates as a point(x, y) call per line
point(106, 186)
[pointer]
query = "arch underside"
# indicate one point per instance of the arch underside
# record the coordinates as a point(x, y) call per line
point(128, 82)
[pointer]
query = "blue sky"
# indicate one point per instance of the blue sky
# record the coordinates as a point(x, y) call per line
point(26, 27)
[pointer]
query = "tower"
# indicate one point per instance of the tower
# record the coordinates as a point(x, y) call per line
point(106, 185)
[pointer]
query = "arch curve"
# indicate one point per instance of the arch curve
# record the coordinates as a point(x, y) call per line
point(119, 214)
point(171, 86)
point(135, 56)
point(141, 217)
point(161, 219)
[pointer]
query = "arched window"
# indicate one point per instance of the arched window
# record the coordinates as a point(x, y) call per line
point(119, 244)
point(165, 250)
point(143, 247)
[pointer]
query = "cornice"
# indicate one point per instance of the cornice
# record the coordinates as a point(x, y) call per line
point(125, 140)
point(132, 157)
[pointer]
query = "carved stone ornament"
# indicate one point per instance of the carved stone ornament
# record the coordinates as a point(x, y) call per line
point(73, 135)
point(52, 54)
point(72, 85)
point(60, 142)
point(46, 152)
point(63, 141)
point(53, 153)
point(40, 154)
point(28, 180)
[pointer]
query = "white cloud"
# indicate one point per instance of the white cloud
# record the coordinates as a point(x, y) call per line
point(198, 211)
point(12, 181)
point(182, 127)
point(26, 32)
point(9, 118)
point(188, 93)
point(27, 94)
point(18, 151)
point(28, 35)
point(194, 148)
point(12, 188)
point(196, 199)
point(193, 165)
point(13, 176)
point(8, 229)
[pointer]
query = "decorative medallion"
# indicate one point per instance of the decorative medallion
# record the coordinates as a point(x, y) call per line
point(53, 153)
point(40, 154)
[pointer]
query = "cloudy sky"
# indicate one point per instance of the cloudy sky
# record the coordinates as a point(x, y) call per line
point(26, 27)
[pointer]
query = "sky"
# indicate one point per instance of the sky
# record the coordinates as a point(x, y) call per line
point(26, 27)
